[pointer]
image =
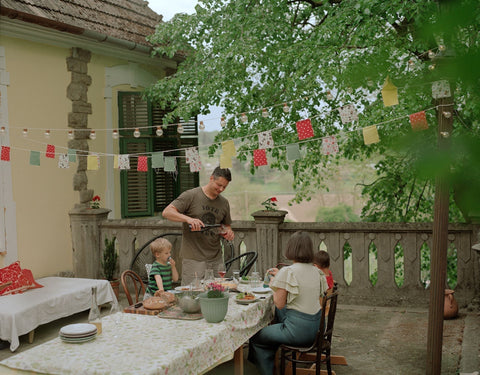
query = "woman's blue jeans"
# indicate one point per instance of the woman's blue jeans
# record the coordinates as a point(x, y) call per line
point(293, 328)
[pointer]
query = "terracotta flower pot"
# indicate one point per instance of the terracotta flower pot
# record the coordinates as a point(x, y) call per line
point(450, 309)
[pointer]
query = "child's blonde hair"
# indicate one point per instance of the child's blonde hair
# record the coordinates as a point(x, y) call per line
point(159, 245)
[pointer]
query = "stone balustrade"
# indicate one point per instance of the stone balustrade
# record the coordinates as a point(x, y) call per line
point(268, 233)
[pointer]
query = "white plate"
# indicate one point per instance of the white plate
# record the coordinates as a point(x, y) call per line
point(77, 340)
point(246, 301)
point(78, 329)
point(261, 290)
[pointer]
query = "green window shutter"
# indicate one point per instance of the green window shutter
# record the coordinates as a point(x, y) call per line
point(136, 187)
point(134, 112)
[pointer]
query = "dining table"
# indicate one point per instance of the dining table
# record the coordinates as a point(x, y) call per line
point(149, 344)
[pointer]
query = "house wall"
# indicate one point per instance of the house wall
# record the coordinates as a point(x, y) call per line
point(44, 194)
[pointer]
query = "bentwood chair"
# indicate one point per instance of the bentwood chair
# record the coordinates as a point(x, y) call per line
point(131, 281)
point(245, 261)
point(319, 352)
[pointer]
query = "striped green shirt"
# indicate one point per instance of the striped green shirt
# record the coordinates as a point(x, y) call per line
point(165, 272)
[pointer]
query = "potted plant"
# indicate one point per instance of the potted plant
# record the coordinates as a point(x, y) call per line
point(214, 303)
point(109, 264)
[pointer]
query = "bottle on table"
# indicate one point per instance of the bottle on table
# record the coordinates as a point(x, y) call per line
point(94, 316)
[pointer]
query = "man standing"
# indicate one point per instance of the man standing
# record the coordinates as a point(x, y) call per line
point(195, 208)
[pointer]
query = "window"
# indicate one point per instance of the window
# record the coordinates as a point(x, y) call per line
point(148, 193)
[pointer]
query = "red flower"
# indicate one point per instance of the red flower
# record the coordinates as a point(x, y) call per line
point(273, 199)
point(96, 198)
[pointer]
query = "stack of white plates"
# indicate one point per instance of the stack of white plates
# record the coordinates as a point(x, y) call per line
point(78, 333)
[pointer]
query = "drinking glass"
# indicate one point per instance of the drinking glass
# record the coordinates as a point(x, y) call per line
point(236, 276)
point(208, 278)
point(116, 314)
point(255, 280)
point(221, 270)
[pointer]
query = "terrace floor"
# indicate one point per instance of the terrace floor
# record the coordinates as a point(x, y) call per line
point(374, 340)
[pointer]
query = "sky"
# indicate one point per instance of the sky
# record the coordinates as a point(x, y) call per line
point(168, 8)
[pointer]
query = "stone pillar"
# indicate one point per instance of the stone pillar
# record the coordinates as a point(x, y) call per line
point(86, 242)
point(267, 223)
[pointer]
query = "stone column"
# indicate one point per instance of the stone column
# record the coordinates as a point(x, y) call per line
point(267, 226)
point(86, 242)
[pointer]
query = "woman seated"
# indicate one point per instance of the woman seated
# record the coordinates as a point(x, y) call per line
point(298, 290)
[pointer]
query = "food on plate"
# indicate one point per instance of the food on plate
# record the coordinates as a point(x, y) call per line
point(165, 296)
point(229, 285)
point(247, 296)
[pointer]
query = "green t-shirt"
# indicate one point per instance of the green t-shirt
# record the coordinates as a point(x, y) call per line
point(165, 272)
point(201, 246)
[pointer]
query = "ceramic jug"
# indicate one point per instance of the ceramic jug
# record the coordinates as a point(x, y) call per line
point(450, 309)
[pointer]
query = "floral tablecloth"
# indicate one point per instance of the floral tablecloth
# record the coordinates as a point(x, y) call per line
point(141, 344)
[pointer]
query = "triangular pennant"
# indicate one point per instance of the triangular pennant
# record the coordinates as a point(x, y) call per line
point(93, 163)
point(370, 135)
point(157, 160)
point(34, 157)
point(72, 155)
point(293, 152)
point(329, 145)
point(389, 93)
point(228, 148)
point(419, 121)
point(441, 89)
point(50, 153)
point(142, 164)
point(304, 129)
point(5, 155)
point(265, 139)
point(260, 157)
point(170, 164)
point(348, 113)
point(63, 161)
point(225, 161)
point(123, 161)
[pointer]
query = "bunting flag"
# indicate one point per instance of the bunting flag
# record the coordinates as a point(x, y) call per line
point(170, 164)
point(348, 113)
point(304, 129)
point(419, 121)
point(441, 89)
point(225, 161)
point(5, 155)
point(50, 153)
point(72, 155)
point(228, 148)
point(265, 139)
point(93, 162)
point(35, 158)
point(293, 152)
point(157, 160)
point(123, 161)
point(259, 157)
point(192, 155)
point(370, 135)
point(63, 161)
point(389, 93)
point(115, 161)
point(142, 164)
point(329, 145)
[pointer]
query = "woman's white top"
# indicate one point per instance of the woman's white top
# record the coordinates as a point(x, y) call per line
point(304, 283)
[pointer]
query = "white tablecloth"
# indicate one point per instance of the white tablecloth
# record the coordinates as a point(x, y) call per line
point(59, 297)
point(141, 344)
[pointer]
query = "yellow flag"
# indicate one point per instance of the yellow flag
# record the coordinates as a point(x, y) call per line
point(370, 135)
point(92, 163)
point(225, 161)
point(389, 93)
point(115, 161)
point(228, 148)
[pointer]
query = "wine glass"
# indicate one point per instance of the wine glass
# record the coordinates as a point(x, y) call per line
point(208, 278)
point(116, 314)
point(221, 270)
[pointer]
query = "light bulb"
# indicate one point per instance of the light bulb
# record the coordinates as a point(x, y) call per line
point(411, 63)
point(445, 134)
point(2, 129)
point(25, 132)
point(70, 134)
point(47, 134)
point(329, 95)
point(136, 133)
point(159, 131)
point(223, 122)
point(442, 47)
point(447, 114)
point(93, 135)
point(244, 118)
point(286, 108)
point(202, 125)
point(431, 54)
point(180, 129)
point(115, 134)
point(431, 67)
point(264, 113)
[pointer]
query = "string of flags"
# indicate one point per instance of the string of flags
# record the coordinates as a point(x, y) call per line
point(304, 129)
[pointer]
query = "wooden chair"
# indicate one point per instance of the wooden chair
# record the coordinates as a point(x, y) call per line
point(319, 352)
point(128, 278)
point(246, 261)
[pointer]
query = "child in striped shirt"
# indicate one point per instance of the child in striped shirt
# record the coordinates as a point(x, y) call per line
point(163, 272)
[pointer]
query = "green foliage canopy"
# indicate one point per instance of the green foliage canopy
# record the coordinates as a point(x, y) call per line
point(245, 55)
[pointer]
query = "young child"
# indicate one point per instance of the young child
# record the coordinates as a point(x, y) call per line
point(163, 271)
point(321, 260)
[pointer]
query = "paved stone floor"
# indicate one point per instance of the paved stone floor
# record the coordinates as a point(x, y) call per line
point(374, 340)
